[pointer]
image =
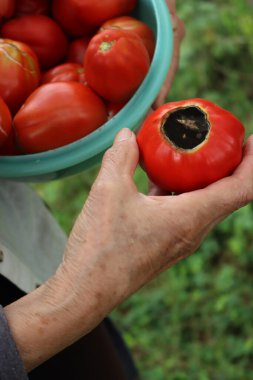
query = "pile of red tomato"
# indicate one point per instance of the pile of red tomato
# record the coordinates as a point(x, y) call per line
point(66, 66)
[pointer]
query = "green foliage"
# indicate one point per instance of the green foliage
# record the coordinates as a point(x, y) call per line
point(217, 55)
point(195, 321)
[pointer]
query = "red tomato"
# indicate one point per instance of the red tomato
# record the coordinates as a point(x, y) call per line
point(115, 64)
point(65, 72)
point(9, 148)
point(77, 50)
point(31, 7)
point(19, 73)
point(187, 145)
point(5, 122)
point(6, 8)
point(57, 114)
point(68, 17)
point(96, 12)
point(137, 26)
point(42, 34)
point(114, 108)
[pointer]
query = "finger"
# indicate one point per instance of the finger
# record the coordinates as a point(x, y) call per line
point(171, 5)
point(122, 158)
point(229, 194)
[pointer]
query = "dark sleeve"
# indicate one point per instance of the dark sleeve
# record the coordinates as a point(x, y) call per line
point(11, 366)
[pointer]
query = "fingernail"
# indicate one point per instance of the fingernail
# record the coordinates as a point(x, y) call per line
point(124, 134)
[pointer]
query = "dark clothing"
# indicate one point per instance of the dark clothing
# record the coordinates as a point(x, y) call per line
point(100, 355)
point(11, 367)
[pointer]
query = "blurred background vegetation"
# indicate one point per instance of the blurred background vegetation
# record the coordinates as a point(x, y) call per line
point(195, 321)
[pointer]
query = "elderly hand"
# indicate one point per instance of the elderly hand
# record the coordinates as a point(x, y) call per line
point(121, 240)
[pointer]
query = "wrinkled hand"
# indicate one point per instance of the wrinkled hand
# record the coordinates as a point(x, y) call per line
point(122, 238)
point(178, 34)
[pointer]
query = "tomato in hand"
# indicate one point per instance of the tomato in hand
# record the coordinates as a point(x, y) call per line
point(65, 72)
point(31, 7)
point(95, 13)
point(57, 114)
point(5, 122)
point(19, 73)
point(190, 144)
point(42, 34)
point(6, 8)
point(134, 25)
point(77, 50)
point(115, 64)
point(67, 15)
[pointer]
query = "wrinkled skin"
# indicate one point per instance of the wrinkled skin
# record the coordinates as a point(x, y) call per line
point(139, 237)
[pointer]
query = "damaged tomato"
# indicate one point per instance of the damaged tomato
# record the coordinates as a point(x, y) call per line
point(190, 144)
point(19, 73)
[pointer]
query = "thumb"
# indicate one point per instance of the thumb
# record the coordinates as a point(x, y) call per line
point(122, 158)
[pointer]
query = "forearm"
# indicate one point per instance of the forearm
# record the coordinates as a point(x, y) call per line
point(49, 319)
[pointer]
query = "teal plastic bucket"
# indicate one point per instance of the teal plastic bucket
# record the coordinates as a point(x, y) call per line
point(89, 150)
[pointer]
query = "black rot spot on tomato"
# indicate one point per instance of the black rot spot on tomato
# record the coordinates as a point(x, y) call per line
point(186, 127)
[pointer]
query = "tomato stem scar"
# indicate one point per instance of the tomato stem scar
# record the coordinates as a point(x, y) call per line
point(106, 45)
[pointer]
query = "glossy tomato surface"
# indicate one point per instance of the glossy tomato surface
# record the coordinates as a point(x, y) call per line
point(134, 25)
point(67, 15)
point(114, 108)
point(116, 62)
point(57, 114)
point(95, 13)
point(31, 7)
point(9, 147)
point(19, 73)
point(190, 144)
point(65, 72)
point(77, 50)
point(5, 122)
point(6, 8)
point(42, 34)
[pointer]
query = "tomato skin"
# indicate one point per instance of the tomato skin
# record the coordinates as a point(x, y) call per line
point(19, 73)
point(114, 108)
point(57, 114)
point(177, 170)
point(77, 50)
point(31, 7)
point(134, 25)
point(121, 58)
point(9, 148)
point(6, 8)
point(67, 15)
point(42, 34)
point(5, 122)
point(65, 72)
point(96, 12)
